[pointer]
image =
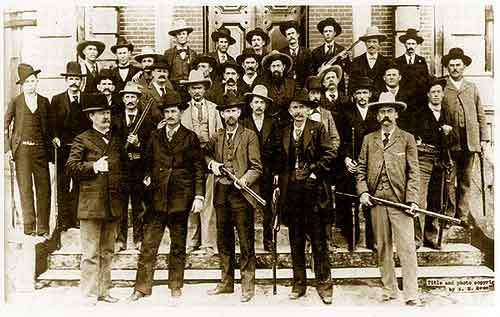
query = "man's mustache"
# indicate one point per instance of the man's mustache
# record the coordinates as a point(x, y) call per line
point(230, 81)
point(162, 77)
point(386, 119)
point(130, 103)
point(75, 85)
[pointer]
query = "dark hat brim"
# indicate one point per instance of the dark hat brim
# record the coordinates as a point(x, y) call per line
point(81, 46)
point(260, 33)
point(216, 35)
point(330, 21)
point(230, 64)
point(181, 105)
point(207, 82)
point(115, 47)
point(73, 75)
point(438, 81)
point(288, 25)
point(268, 59)
point(21, 80)
point(174, 32)
point(241, 58)
point(204, 59)
point(96, 108)
point(122, 92)
point(403, 38)
point(446, 59)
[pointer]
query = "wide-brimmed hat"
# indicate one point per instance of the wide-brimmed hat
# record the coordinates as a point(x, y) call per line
point(329, 21)
point(196, 77)
point(131, 88)
point(247, 53)
point(147, 52)
point(105, 73)
point(313, 82)
point(94, 102)
point(387, 99)
point(83, 44)
point(276, 55)
point(231, 101)
point(171, 99)
point(433, 81)
point(362, 82)
point(204, 59)
point(24, 71)
point(179, 26)
point(258, 91)
point(287, 25)
point(160, 63)
point(122, 42)
point(73, 69)
point(456, 53)
point(334, 68)
point(223, 32)
point(302, 96)
point(373, 32)
point(257, 31)
point(411, 34)
point(231, 64)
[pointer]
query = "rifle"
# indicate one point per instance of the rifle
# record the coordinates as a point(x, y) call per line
point(141, 119)
point(406, 208)
point(353, 203)
point(244, 187)
point(483, 193)
point(276, 229)
point(336, 57)
point(56, 204)
point(14, 214)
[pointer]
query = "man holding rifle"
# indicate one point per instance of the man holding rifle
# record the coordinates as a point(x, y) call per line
point(388, 169)
point(234, 151)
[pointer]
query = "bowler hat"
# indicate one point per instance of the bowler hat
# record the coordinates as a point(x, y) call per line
point(372, 32)
point(301, 96)
point(313, 82)
point(94, 102)
point(73, 69)
point(259, 91)
point(105, 73)
point(179, 26)
point(147, 52)
point(391, 64)
point(196, 77)
point(160, 63)
point(231, 101)
point(257, 31)
point(334, 68)
point(172, 99)
point(231, 64)
point(276, 55)
point(411, 34)
point(456, 53)
point(131, 88)
point(387, 99)
point(122, 42)
point(329, 21)
point(204, 59)
point(24, 71)
point(433, 81)
point(287, 25)
point(223, 32)
point(362, 82)
point(248, 53)
point(83, 44)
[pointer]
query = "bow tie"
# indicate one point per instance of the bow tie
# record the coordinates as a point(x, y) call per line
point(124, 67)
point(106, 135)
point(372, 58)
point(180, 50)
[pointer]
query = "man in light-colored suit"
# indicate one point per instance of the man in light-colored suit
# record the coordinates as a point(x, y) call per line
point(388, 169)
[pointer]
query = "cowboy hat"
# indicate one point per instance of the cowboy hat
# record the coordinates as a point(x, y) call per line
point(313, 82)
point(105, 73)
point(258, 91)
point(362, 82)
point(231, 64)
point(334, 68)
point(433, 81)
point(248, 53)
point(276, 55)
point(73, 69)
point(122, 42)
point(372, 32)
point(83, 44)
point(172, 99)
point(147, 52)
point(387, 99)
point(223, 32)
point(231, 101)
point(196, 77)
point(411, 34)
point(329, 21)
point(131, 88)
point(24, 71)
point(301, 96)
point(160, 63)
point(257, 31)
point(456, 53)
point(94, 102)
point(179, 26)
point(287, 25)
point(204, 59)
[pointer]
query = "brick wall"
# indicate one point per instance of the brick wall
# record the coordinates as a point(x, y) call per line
point(383, 18)
point(193, 15)
point(427, 32)
point(137, 25)
point(342, 14)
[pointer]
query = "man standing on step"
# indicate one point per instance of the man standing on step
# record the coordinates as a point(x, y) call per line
point(95, 161)
point(223, 39)
point(237, 149)
point(124, 71)
point(147, 58)
point(89, 51)
point(388, 169)
point(307, 157)
point(175, 172)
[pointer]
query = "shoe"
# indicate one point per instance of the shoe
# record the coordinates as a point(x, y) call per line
point(413, 302)
point(388, 298)
point(108, 299)
point(191, 250)
point(45, 236)
point(220, 290)
point(246, 298)
point(209, 251)
point(296, 294)
point(120, 246)
point(432, 245)
point(176, 292)
point(135, 296)
point(327, 299)
point(32, 234)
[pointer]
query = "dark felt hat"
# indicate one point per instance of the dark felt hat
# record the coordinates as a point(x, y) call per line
point(362, 82)
point(24, 71)
point(276, 55)
point(411, 34)
point(248, 52)
point(329, 21)
point(302, 96)
point(160, 63)
point(204, 59)
point(433, 81)
point(456, 53)
point(94, 102)
point(257, 31)
point(83, 44)
point(122, 42)
point(105, 73)
point(73, 69)
point(391, 64)
point(223, 32)
point(231, 101)
point(287, 25)
point(313, 82)
point(231, 64)
point(172, 99)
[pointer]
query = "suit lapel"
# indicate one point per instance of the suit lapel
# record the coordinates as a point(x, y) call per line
point(211, 118)
point(220, 144)
point(97, 140)
point(286, 137)
point(395, 136)
point(266, 128)
point(187, 119)
point(378, 139)
point(237, 137)
point(178, 136)
point(308, 132)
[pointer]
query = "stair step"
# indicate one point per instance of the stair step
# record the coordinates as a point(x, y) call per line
point(429, 277)
point(450, 254)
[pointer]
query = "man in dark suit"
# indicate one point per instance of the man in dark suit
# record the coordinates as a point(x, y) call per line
point(89, 51)
point(330, 29)
point(156, 89)
point(237, 149)
point(250, 62)
point(223, 39)
point(268, 132)
point(371, 64)
point(388, 169)
point(175, 171)
point(258, 39)
point(332, 100)
point(124, 71)
point(355, 121)
point(147, 58)
point(306, 161)
point(69, 122)
point(301, 56)
point(30, 147)
point(95, 161)
point(413, 67)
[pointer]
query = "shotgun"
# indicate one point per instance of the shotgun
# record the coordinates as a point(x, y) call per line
point(259, 199)
point(141, 119)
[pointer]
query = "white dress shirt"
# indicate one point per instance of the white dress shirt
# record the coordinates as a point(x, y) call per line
point(31, 102)
point(372, 59)
point(259, 121)
point(129, 113)
point(362, 111)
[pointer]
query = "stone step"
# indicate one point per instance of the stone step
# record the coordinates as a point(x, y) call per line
point(430, 277)
point(450, 254)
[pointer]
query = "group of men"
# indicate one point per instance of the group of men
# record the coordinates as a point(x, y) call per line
point(186, 138)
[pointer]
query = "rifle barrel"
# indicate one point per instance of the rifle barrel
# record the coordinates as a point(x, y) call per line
point(259, 199)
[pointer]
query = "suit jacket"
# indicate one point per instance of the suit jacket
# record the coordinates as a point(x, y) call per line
point(427, 129)
point(218, 70)
point(15, 115)
point(247, 163)
point(216, 92)
point(466, 99)
point(100, 195)
point(170, 55)
point(415, 76)
point(214, 120)
point(281, 95)
point(361, 68)
point(335, 106)
point(64, 129)
point(119, 82)
point(89, 83)
point(401, 164)
point(176, 168)
point(302, 65)
point(319, 57)
point(330, 127)
point(143, 134)
point(151, 93)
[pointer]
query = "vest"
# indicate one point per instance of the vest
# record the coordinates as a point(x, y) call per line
point(201, 127)
point(383, 182)
point(32, 126)
point(227, 158)
point(296, 150)
point(180, 68)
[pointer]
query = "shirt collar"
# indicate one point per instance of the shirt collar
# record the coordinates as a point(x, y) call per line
point(71, 96)
point(457, 84)
point(327, 45)
point(390, 133)
point(232, 132)
point(332, 95)
point(89, 65)
point(158, 87)
point(249, 79)
point(174, 129)
point(368, 56)
point(409, 57)
point(131, 112)
point(301, 128)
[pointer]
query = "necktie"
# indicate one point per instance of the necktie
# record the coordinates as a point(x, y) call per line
point(229, 138)
point(94, 70)
point(163, 92)
point(294, 53)
point(199, 107)
point(297, 134)
point(222, 59)
point(75, 99)
point(386, 138)
point(330, 50)
point(170, 134)
point(131, 118)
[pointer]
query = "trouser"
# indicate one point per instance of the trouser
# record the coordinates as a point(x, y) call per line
point(233, 210)
point(133, 190)
point(305, 218)
point(202, 230)
point(266, 189)
point(464, 167)
point(388, 224)
point(153, 234)
point(32, 164)
point(67, 200)
point(98, 241)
